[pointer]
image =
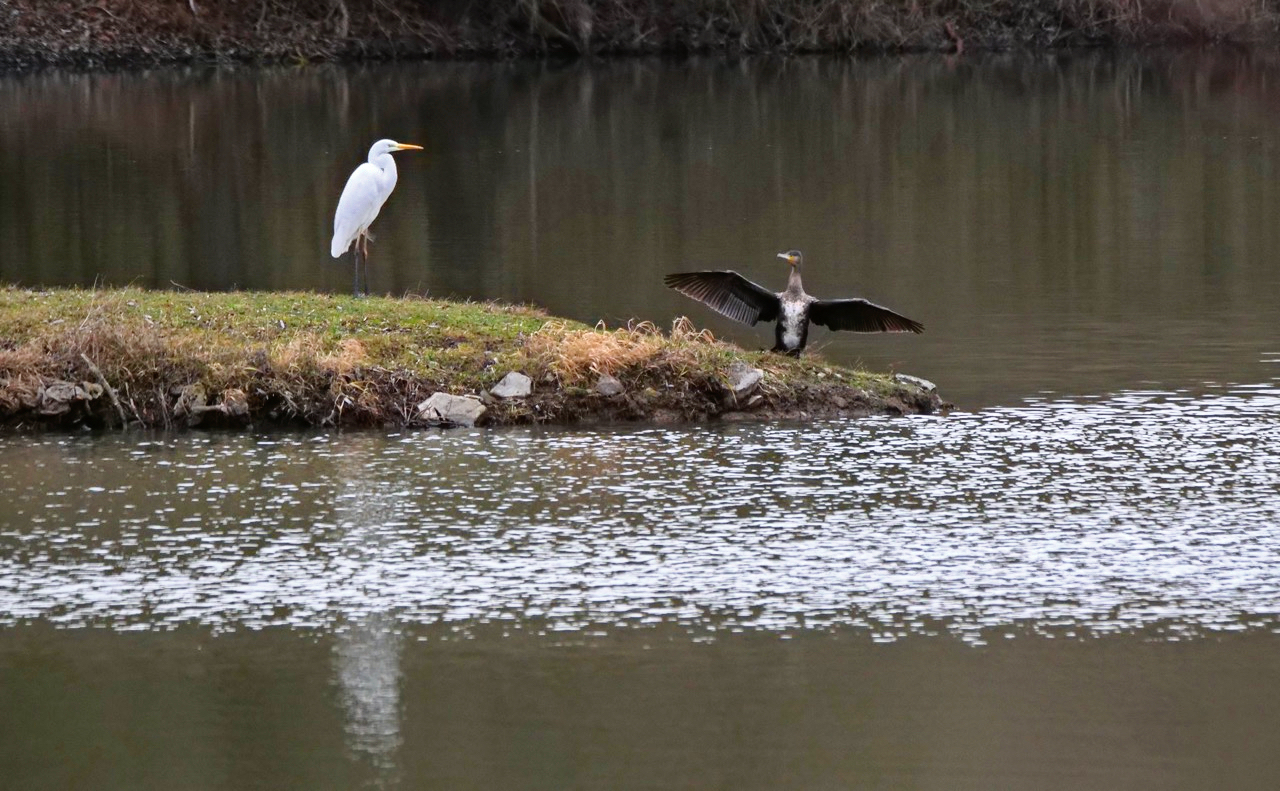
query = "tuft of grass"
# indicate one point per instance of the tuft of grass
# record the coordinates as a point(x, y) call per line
point(321, 359)
point(579, 356)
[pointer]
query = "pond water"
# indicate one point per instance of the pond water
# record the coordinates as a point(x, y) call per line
point(1049, 596)
point(1069, 583)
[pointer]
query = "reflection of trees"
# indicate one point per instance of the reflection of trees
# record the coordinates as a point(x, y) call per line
point(891, 174)
point(214, 179)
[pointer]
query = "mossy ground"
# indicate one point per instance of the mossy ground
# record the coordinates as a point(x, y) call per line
point(165, 358)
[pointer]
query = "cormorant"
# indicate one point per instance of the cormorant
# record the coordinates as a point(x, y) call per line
point(730, 294)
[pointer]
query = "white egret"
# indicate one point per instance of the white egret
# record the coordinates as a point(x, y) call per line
point(362, 198)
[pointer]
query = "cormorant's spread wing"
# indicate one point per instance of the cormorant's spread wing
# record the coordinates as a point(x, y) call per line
point(859, 315)
point(729, 294)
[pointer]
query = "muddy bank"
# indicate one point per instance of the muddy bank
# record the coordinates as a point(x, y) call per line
point(128, 357)
point(123, 33)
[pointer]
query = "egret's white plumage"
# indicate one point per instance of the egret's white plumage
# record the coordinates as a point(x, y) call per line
point(362, 199)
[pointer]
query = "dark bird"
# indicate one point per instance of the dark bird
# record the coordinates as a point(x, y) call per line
point(730, 294)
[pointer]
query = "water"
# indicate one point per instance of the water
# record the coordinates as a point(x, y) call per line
point(1093, 583)
point(1069, 583)
point(1146, 511)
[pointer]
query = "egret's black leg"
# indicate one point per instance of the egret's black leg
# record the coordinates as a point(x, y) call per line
point(364, 262)
point(355, 278)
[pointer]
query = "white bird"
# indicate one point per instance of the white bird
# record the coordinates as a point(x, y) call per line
point(362, 198)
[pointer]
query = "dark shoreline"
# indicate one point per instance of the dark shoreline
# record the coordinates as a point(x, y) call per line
point(112, 34)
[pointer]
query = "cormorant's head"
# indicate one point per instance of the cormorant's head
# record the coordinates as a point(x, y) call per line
point(792, 257)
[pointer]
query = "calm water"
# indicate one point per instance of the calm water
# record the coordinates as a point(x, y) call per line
point(1071, 583)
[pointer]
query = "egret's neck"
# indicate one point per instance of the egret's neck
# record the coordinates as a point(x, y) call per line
point(387, 164)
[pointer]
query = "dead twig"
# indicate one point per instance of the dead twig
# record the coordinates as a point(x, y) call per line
point(164, 408)
point(111, 391)
point(133, 405)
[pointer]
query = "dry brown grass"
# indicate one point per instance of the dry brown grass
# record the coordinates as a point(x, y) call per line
point(123, 350)
point(576, 357)
point(19, 381)
point(310, 352)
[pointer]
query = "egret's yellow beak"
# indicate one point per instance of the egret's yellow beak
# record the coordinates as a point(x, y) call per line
point(788, 257)
point(407, 147)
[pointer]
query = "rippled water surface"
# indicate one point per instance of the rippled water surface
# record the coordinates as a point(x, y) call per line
point(1151, 510)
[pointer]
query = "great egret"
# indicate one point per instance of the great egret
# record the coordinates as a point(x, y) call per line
point(730, 294)
point(362, 198)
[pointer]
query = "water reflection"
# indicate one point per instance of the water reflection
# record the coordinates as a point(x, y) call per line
point(368, 641)
point(251, 712)
point(366, 656)
point(1071, 223)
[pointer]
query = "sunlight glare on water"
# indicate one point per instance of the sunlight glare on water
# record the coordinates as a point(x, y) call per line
point(1146, 510)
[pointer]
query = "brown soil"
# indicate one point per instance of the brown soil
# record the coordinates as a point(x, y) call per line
point(682, 404)
point(106, 33)
point(88, 401)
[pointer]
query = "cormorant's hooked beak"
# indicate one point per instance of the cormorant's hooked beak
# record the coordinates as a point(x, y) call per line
point(406, 147)
point(788, 257)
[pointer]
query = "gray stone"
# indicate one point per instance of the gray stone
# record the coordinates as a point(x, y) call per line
point(915, 381)
point(193, 404)
point(443, 409)
point(609, 386)
point(190, 398)
point(743, 379)
point(57, 397)
point(235, 403)
point(513, 385)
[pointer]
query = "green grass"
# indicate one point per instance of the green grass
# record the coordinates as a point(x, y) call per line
point(307, 358)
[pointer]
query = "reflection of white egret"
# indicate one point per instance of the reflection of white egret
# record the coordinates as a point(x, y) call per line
point(367, 647)
point(362, 198)
point(367, 665)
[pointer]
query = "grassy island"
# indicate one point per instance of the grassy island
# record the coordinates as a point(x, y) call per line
point(117, 357)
